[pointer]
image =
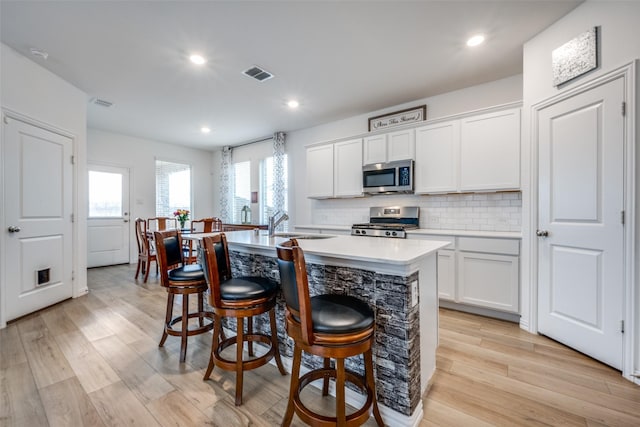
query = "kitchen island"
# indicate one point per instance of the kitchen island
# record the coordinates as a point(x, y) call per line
point(397, 277)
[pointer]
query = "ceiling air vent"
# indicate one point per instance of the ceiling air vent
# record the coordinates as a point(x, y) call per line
point(101, 102)
point(258, 73)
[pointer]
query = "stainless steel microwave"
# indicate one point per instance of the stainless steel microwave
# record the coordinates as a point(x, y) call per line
point(386, 178)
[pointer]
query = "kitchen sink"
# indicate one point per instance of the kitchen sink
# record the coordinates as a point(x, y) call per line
point(303, 236)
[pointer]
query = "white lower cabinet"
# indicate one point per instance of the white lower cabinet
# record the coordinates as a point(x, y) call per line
point(488, 280)
point(447, 274)
point(488, 273)
point(479, 271)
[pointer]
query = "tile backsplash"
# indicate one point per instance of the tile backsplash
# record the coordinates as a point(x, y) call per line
point(469, 211)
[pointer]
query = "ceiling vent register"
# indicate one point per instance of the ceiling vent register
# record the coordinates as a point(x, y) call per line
point(101, 102)
point(258, 73)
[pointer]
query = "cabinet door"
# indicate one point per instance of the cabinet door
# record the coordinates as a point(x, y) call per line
point(375, 149)
point(490, 151)
point(320, 171)
point(401, 145)
point(447, 274)
point(488, 280)
point(348, 168)
point(437, 151)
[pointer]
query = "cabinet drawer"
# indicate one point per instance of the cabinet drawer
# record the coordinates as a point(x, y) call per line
point(431, 237)
point(488, 245)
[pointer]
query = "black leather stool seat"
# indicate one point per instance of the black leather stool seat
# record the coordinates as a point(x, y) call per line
point(187, 273)
point(339, 314)
point(247, 288)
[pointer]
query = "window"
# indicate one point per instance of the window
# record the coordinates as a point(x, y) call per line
point(241, 189)
point(173, 187)
point(251, 173)
point(105, 194)
point(267, 181)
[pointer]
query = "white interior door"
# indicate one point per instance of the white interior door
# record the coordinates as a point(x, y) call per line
point(108, 223)
point(581, 183)
point(38, 177)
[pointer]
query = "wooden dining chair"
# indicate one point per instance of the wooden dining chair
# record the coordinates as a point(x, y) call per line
point(204, 225)
point(146, 252)
point(161, 223)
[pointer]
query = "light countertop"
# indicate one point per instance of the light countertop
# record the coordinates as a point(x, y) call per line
point(352, 248)
point(426, 231)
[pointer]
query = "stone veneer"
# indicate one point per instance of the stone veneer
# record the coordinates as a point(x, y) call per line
point(397, 348)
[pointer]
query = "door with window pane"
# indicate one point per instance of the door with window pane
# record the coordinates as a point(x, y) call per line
point(108, 223)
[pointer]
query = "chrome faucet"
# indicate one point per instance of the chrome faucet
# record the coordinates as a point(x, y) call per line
point(275, 220)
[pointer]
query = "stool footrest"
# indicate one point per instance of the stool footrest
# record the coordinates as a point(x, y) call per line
point(357, 418)
point(193, 331)
point(250, 363)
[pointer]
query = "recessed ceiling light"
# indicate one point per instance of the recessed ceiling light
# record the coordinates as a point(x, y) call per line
point(475, 40)
point(197, 59)
point(205, 129)
point(293, 104)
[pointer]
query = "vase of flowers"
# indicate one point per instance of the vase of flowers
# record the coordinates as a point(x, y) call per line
point(182, 215)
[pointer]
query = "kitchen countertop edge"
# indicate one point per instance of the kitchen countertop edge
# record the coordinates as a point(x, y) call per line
point(428, 231)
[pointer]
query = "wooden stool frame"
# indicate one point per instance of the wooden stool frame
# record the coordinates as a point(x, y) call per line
point(239, 309)
point(184, 288)
point(328, 346)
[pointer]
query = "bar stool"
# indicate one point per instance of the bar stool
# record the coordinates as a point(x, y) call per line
point(180, 279)
point(332, 327)
point(238, 297)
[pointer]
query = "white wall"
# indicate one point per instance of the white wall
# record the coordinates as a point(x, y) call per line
point(619, 35)
point(139, 155)
point(473, 98)
point(30, 90)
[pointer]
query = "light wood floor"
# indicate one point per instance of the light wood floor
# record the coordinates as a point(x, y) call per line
point(95, 361)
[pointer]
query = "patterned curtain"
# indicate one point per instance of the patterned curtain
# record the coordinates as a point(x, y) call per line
point(225, 185)
point(278, 171)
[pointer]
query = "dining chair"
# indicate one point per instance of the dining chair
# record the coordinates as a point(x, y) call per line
point(146, 253)
point(330, 326)
point(204, 225)
point(181, 279)
point(240, 298)
point(161, 223)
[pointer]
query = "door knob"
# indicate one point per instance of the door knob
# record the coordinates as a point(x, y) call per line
point(13, 229)
point(542, 233)
point(126, 220)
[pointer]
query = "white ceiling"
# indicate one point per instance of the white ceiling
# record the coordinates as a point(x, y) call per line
point(338, 59)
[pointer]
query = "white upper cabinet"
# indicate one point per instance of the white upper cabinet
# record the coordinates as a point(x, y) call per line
point(335, 170)
point(490, 151)
point(375, 149)
point(389, 147)
point(401, 145)
point(320, 171)
point(348, 168)
point(475, 153)
point(437, 154)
